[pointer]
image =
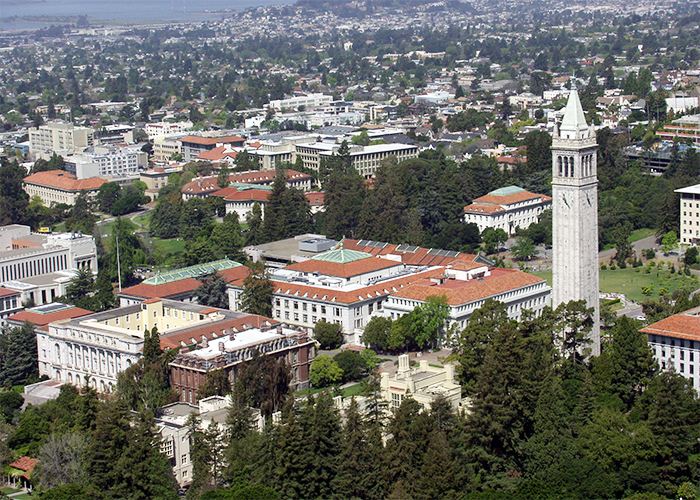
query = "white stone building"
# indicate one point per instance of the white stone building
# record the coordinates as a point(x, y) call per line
point(507, 208)
point(675, 342)
point(575, 214)
point(690, 215)
point(56, 186)
point(466, 286)
point(163, 129)
point(311, 100)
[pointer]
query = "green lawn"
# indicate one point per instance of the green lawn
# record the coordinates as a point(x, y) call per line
point(349, 391)
point(143, 220)
point(640, 234)
point(173, 245)
point(630, 283)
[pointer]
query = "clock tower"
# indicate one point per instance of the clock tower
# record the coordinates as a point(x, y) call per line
point(575, 214)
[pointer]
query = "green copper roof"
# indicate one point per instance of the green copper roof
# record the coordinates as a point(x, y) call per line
point(341, 255)
point(242, 186)
point(191, 272)
point(506, 191)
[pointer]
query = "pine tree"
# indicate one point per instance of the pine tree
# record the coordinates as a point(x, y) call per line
point(19, 354)
point(257, 291)
point(404, 451)
point(293, 464)
point(142, 472)
point(212, 291)
point(320, 421)
point(108, 444)
point(631, 360)
point(360, 460)
point(255, 226)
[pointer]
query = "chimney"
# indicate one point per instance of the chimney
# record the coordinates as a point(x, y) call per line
point(221, 347)
point(404, 364)
point(205, 343)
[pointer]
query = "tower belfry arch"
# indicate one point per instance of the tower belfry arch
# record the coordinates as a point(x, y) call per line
point(575, 213)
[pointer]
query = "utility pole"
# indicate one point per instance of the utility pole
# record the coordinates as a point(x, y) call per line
point(119, 267)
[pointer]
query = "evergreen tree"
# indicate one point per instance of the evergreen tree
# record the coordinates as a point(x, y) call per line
point(223, 179)
point(13, 199)
point(257, 291)
point(19, 354)
point(321, 425)
point(80, 288)
point(104, 298)
point(360, 461)
point(212, 291)
point(142, 472)
point(108, 444)
point(292, 465)
point(631, 360)
point(255, 226)
point(216, 383)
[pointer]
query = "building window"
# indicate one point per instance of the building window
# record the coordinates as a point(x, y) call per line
point(286, 314)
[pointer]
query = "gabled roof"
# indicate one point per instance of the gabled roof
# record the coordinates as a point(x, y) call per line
point(411, 254)
point(214, 330)
point(41, 319)
point(209, 141)
point(234, 275)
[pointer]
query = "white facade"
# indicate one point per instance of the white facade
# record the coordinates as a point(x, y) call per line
point(575, 214)
point(517, 290)
point(307, 100)
point(162, 129)
point(107, 161)
point(690, 215)
point(62, 138)
point(508, 209)
point(675, 343)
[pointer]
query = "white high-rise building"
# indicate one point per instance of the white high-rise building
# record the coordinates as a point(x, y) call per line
point(575, 214)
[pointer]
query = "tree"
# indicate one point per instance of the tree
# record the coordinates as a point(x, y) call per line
point(13, 199)
point(257, 291)
point(19, 355)
point(108, 194)
point(351, 363)
point(165, 218)
point(287, 212)
point(631, 359)
point(212, 291)
point(227, 239)
point(493, 239)
point(669, 241)
point(376, 334)
point(475, 339)
point(80, 288)
point(263, 382)
point(524, 249)
point(224, 174)
point(428, 320)
point(62, 461)
point(216, 383)
point(329, 335)
point(255, 226)
point(324, 371)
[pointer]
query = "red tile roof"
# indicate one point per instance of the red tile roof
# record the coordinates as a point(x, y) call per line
point(486, 209)
point(25, 463)
point(4, 292)
point(347, 270)
point(217, 154)
point(59, 179)
point(294, 289)
point(685, 325)
point(511, 198)
point(463, 292)
point(214, 330)
point(210, 185)
point(41, 320)
point(315, 197)
point(235, 275)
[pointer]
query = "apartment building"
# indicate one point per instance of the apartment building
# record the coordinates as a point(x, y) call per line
point(165, 147)
point(163, 129)
point(690, 215)
point(310, 100)
point(60, 138)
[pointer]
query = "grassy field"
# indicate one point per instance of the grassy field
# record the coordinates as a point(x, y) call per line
point(143, 220)
point(352, 390)
point(640, 234)
point(630, 282)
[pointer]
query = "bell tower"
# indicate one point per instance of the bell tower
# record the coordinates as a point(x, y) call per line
point(575, 214)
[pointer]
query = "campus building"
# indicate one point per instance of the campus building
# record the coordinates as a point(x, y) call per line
point(675, 343)
point(40, 266)
point(690, 215)
point(236, 345)
point(193, 146)
point(466, 286)
point(56, 186)
point(111, 161)
point(507, 208)
point(100, 345)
